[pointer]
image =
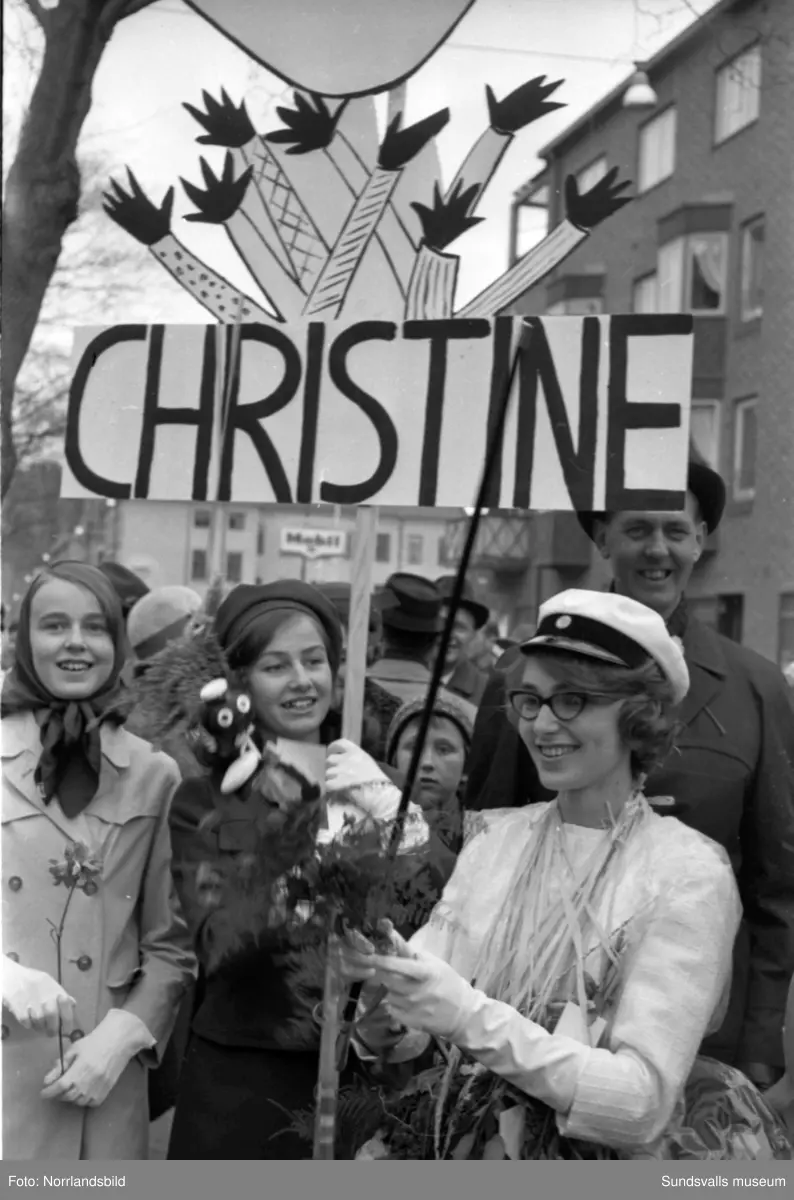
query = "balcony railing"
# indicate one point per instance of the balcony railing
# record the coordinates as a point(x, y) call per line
point(504, 542)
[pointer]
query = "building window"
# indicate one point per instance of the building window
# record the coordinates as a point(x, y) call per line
point(383, 547)
point(786, 636)
point(415, 549)
point(234, 567)
point(738, 98)
point(530, 221)
point(201, 518)
point(704, 282)
point(753, 269)
point(198, 565)
point(691, 274)
point(745, 433)
point(260, 540)
point(704, 430)
point(657, 149)
point(589, 176)
point(643, 299)
point(237, 521)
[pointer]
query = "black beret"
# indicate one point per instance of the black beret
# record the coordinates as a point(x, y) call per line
point(247, 602)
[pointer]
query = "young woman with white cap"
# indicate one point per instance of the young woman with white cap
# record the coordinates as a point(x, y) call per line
point(582, 947)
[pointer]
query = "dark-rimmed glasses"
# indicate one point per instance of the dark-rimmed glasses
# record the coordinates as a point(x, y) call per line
point(566, 706)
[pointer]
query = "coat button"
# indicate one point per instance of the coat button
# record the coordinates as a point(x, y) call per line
point(90, 888)
point(84, 963)
point(4, 1032)
point(12, 956)
point(75, 1035)
point(15, 883)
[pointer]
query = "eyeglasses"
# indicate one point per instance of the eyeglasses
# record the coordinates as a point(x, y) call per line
point(566, 706)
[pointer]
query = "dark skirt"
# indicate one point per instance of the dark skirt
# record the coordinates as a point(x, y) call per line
point(238, 1102)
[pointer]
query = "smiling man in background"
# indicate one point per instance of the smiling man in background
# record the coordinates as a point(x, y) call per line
point(731, 775)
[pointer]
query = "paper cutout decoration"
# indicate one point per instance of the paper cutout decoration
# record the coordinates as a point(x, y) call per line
point(336, 244)
point(336, 47)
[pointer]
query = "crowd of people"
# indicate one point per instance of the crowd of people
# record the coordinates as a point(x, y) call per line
point(603, 812)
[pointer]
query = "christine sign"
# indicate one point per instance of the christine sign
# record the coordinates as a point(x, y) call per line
point(314, 543)
point(385, 412)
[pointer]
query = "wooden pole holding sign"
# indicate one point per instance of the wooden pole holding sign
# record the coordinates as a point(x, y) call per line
point(358, 628)
point(352, 720)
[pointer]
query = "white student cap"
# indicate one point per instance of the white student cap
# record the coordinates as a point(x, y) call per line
point(613, 629)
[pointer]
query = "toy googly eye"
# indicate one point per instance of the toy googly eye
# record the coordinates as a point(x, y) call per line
point(243, 705)
point(225, 718)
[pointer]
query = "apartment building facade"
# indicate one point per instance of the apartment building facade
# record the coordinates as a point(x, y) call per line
point(710, 231)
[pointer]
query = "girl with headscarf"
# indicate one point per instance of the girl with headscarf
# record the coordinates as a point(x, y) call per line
point(252, 1060)
point(85, 806)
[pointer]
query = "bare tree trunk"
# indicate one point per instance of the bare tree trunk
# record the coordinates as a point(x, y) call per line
point(43, 185)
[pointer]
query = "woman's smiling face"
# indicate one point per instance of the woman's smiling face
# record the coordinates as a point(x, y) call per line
point(577, 754)
point(70, 642)
point(291, 683)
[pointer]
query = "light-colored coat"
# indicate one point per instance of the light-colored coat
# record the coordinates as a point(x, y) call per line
point(124, 945)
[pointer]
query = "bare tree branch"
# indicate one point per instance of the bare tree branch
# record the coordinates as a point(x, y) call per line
point(43, 187)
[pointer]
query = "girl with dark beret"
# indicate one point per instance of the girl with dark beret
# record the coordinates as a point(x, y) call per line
point(252, 1060)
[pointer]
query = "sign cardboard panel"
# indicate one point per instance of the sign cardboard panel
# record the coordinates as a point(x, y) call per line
point(386, 412)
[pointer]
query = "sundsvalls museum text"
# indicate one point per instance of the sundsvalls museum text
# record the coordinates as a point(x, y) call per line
point(741, 1181)
point(67, 1181)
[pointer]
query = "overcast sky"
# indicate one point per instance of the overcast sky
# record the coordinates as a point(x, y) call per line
point(166, 54)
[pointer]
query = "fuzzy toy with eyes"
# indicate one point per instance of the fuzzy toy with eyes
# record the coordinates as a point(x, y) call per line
point(225, 732)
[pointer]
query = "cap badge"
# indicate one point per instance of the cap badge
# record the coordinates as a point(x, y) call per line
point(562, 622)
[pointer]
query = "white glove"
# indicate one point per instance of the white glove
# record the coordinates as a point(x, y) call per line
point(426, 993)
point(352, 773)
point(94, 1064)
point(347, 766)
point(35, 999)
point(422, 991)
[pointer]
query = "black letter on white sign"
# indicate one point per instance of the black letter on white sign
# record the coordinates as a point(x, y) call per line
point(625, 415)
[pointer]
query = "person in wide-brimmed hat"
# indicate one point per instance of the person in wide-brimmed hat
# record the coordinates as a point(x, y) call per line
point(460, 674)
point(733, 777)
point(410, 610)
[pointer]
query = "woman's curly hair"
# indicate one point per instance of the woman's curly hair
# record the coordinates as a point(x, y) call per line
point(646, 722)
